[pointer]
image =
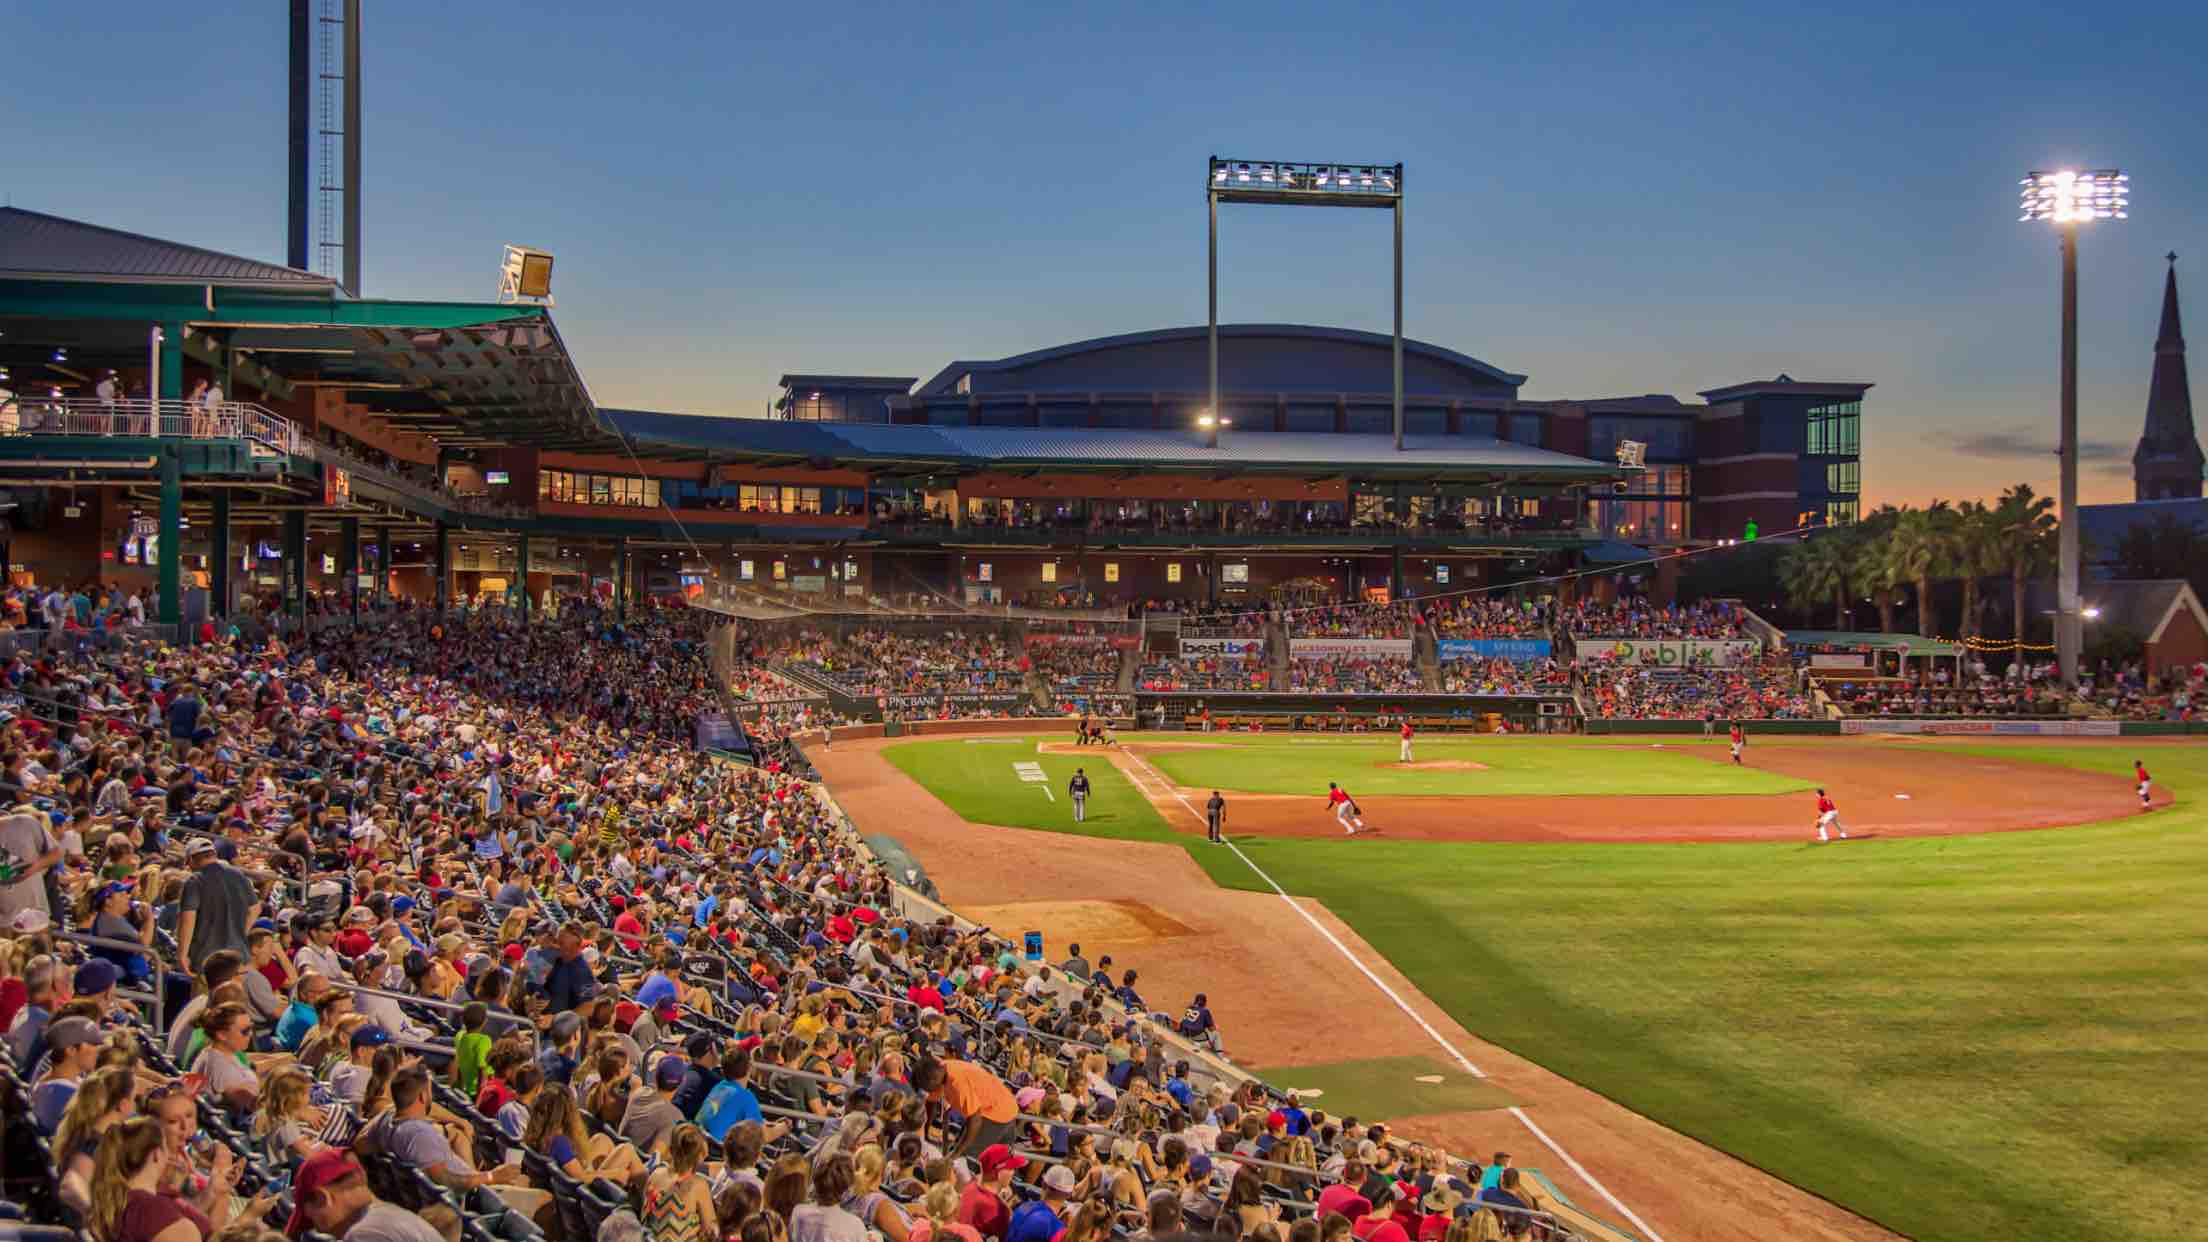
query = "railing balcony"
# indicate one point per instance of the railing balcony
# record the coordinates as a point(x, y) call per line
point(168, 420)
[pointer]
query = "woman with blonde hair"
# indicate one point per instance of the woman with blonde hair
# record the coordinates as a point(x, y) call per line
point(938, 1219)
point(678, 1201)
point(869, 1202)
point(103, 1099)
point(1092, 1223)
point(127, 1203)
point(1478, 1226)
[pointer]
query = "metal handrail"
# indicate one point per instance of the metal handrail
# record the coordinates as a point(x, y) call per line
point(144, 416)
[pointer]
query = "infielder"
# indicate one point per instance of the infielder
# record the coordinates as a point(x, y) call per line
point(1403, 751)
point(2146, 784)
point(1077, 791)
point(1828, 816)
point(1345, 810)
point(1740, 740)
point(1215, 818)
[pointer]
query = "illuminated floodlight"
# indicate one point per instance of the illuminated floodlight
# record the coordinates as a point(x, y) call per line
point(1340, 185)
point(2068, 197)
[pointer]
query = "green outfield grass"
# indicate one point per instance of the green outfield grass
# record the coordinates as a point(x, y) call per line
point(1997, 1036)
point(1366, 766)
point(976, 778)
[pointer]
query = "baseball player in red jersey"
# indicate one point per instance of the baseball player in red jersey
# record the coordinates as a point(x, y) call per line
point(1828, 816)
point(1403, 751)
point(2146, 784)
point(1345, 810)
point(1740, 740)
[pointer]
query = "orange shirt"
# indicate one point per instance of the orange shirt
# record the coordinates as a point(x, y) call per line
point(975, 1092)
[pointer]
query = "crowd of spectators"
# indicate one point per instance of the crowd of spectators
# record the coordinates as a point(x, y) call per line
point(1352, 621)
point(1763, 690)
point(1225, 622)
point(1639, 617)
point(1501, 676)
point(474, 951)
point(1351, 674)
point(1907, 697)
point(1215, 672)
point(1486, 616)
point(880, 662)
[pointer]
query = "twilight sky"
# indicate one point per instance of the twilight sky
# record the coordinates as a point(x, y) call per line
point(1611, 198)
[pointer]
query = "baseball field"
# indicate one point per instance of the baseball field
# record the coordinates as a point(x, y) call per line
point(1944, 1027)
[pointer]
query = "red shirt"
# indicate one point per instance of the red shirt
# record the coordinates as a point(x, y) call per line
point(2141, 769)
point(925, 997)
point(630, 929)
point(840, 929)
point(980, 1208)
point(1344, 1198)
point(1335, 797)
point(1406, 730)
point(1377, 1229)
point(1824, 805)
point(1736, 733)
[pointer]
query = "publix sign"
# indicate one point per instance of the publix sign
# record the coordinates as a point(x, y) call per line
point(1673, 652)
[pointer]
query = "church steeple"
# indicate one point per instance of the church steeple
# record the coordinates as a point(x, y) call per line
point(2167, 464)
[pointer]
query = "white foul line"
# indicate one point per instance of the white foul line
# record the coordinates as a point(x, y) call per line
point(1403, 1005)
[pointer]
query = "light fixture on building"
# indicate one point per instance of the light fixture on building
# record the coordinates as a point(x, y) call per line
point(525, 274)
point(2067, 197)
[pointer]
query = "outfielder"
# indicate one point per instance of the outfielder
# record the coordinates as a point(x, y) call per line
point(1403, 751)
point(2146, 784)
point(1740, 740)
point(1828, 816)
point(1345, 810)
point(1077, 790)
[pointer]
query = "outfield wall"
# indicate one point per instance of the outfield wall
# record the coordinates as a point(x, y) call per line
point(1604, 724)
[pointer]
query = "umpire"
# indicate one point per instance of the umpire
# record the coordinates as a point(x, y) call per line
point(1215, 817)
point(1078, 790)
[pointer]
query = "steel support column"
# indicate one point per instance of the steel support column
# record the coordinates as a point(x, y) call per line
point(295, 566)
point(218, 557)
point(171, 557)
point(348, 559)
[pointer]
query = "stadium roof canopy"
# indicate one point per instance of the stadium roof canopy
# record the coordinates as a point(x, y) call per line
point(883, 448)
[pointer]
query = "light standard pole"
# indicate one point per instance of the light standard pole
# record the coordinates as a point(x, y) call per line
point(2068, 199)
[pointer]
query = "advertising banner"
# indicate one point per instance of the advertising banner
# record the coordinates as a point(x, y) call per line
point(1319, 648)
point(1124, 642)
point(1840, 659)
point(1222, 646)
point(969, 702)
point(1493, 648)
point(1987, 728)
point(1671, 652)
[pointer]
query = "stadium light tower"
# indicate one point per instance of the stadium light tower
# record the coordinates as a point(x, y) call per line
point(1302, 185)
point(2067, 199)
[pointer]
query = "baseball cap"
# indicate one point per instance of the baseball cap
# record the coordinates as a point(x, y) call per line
point(96, 976)
point(109, 889)
point(371, 1036)
point(670, 1073)
point(1199, 1166)
point(997, 1157)
point(199, 846)
point(1276, 1120)
point(62, 1034)
point(322, 1169)
point(400, 906)
point(360, 914)
point(1443, 1198)
point(1059, 1178)
point(31, 922)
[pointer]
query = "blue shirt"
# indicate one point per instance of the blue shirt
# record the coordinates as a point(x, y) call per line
point(727, 1106)
point(292, 1028)
point(1033, 1221)
point(568, 984)
point(705, 910)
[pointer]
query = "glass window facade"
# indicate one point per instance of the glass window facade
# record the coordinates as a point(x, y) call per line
point(1426, 422)
point(569, 487)
point(1626, 517)
point(1844, 478)
point(1312, 417)
point(1835, 428)
point(1370, 420)
point(1528, 428)
point(1668, 439)
point(814, 407)
point(1478, 423)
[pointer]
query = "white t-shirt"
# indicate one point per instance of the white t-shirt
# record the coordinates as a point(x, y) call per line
point(225, 1073)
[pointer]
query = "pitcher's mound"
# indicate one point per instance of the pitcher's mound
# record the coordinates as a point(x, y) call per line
point(1095, 923)
point(1439, 765)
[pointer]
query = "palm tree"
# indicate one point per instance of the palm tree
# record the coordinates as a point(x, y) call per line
point(1977, 553)
point(1815, 571)
point(2026, 526)
point(1920, 550)
point(1867, 563)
